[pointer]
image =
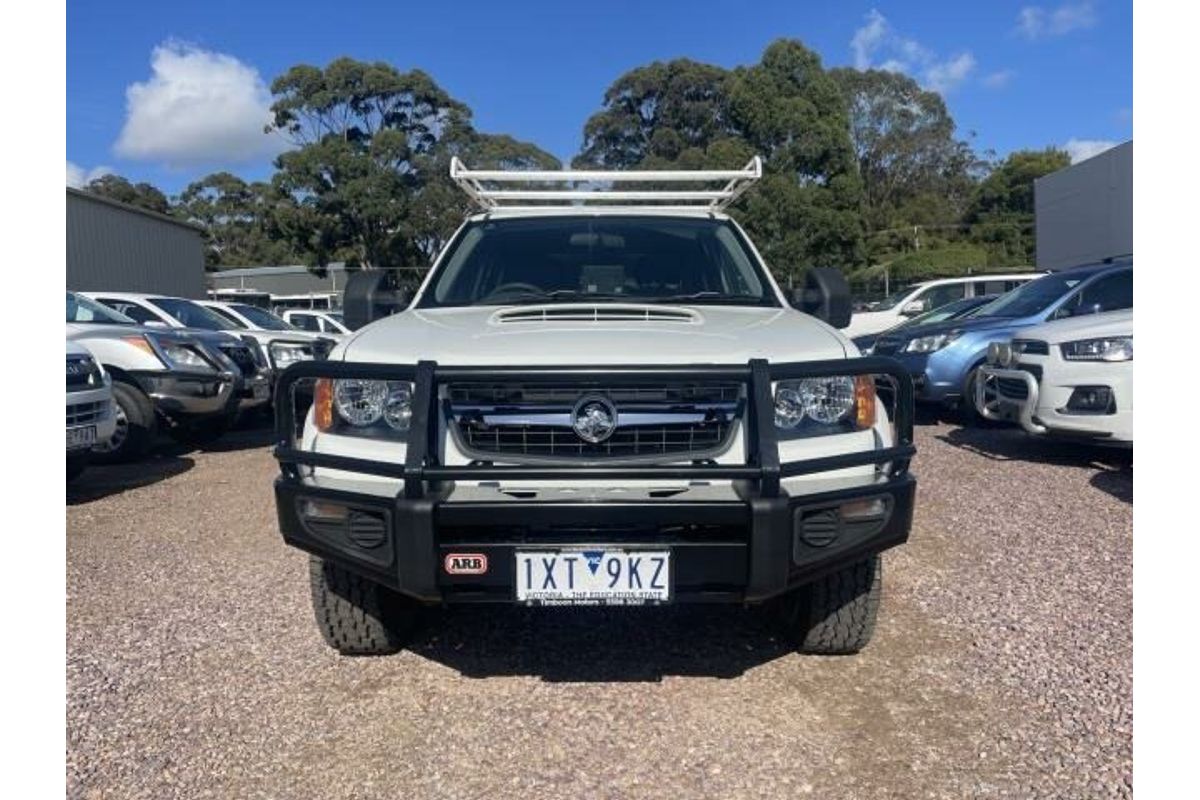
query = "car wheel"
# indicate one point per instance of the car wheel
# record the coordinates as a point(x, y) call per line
point(834, 615)
point(357, 616)
point(136, 426)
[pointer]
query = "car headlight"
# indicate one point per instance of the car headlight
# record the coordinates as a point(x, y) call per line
point(930, 344)
point(833, 404)
point(364, 406)
point(181, 355)
point(284, 354)
point(1110, 348)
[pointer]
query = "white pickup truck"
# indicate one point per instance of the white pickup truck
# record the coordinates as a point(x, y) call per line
point(597, 397)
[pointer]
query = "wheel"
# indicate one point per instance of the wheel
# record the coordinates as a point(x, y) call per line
point(357, 616)
point(204, 431)
point(835, 615)
point(136, 426)
point(967, 412)
point(76, 464)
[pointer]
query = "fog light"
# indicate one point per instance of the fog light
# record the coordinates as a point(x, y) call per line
point(1092, 400)
point(827, 525)
point(861, 510)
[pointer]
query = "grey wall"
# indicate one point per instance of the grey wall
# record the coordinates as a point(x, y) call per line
point(113, 247)
point(1085, 212)
point(278, 280)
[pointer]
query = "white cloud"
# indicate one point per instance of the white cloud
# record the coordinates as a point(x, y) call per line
point(77, 176)
point(877, 45)
point(1083, 149)
point(197, 107)
point(1036, 22)
point(999, 79)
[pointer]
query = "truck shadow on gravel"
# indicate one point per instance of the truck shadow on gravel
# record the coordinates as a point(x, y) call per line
point(599, 645)
point(1113, 467)
point(101, 480)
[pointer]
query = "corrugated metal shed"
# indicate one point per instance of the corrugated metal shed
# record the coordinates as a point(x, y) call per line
point(281, 280)
point(116, 247)
point(1085, 212)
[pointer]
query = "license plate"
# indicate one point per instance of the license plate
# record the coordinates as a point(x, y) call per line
point(599, 577)
point(260, 391)
point(78, 438)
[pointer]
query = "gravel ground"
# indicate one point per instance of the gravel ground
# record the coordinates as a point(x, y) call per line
point(1001, 667)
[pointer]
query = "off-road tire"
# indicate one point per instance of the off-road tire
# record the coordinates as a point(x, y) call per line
point(357, 616)
point(835, 615)
point(141, 425)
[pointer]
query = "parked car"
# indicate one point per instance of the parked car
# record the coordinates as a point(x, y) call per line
point(91, 418)
point(1070, 378)
point(597, 405)
point(944, 359)
point(183, 380)
point(179, 313)
point(959, 309)
point(327, 322)
point(283, 343)
point(928, 295)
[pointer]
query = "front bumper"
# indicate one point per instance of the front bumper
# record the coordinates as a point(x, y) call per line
point(255, 391)
point(90, 408)
point(190, 396)
point(1039, 409)
point(735, 534)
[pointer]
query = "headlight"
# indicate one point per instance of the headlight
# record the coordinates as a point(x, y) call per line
point(185, 356)
point(929, 344)
point(1111, 348)
point(836, 403)
point(363, 404)
point(284, 354)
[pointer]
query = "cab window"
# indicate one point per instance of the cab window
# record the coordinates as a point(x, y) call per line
point(305, 322)
point(134, 311)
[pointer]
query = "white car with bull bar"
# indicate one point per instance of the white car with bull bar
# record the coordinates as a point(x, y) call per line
point(598, 396)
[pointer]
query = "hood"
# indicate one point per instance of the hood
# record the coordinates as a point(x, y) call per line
point(1092, 326)
point(608, 334)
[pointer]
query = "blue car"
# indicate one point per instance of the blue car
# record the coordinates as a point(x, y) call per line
point(943, 357)
point(959, 309)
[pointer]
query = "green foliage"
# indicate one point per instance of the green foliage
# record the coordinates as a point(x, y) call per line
point(369, 172)
point(1001, 212)
point(239, 220)
point(786, 108)
point(142, 195)
point(947, 262)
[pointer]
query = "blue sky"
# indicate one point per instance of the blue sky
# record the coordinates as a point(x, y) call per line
point(168, 92)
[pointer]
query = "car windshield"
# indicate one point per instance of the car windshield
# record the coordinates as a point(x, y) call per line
point(336, 316)
point(1033, 297)
point(88, 311)
point(956, 310)
point(192, 315)
point(262, 318)
point(606, 259)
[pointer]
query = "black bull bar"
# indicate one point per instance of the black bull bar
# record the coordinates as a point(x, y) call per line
point(427, 484)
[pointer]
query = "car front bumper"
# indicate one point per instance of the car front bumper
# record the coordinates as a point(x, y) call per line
point(734, 533)
point(191, 396)
point(90, 408)
point(1041, 408)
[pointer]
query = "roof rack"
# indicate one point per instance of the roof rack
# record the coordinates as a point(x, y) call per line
point(736, 181)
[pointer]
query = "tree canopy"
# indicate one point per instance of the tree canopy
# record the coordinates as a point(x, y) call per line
point(786, 108)
point(142, 195)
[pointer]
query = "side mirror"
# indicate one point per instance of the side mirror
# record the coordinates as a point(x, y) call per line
point(913, 308)
point(372, 294)
point(825, 295)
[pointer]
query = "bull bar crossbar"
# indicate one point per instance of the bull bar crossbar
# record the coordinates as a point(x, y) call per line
point(762, 468)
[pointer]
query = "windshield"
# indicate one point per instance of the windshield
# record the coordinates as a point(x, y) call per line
point(86, 310)
point(607, 259)
point(192, 315)
point(956, 310)
point(336, 316)
point(1033, 297)
point(262, 318)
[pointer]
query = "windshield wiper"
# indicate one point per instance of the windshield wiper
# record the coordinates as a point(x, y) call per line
point(506, 298)
point(704, 295)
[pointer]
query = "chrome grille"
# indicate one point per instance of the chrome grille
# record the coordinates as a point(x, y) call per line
point(86, 413)
point(514, 421)
point(82, 373)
